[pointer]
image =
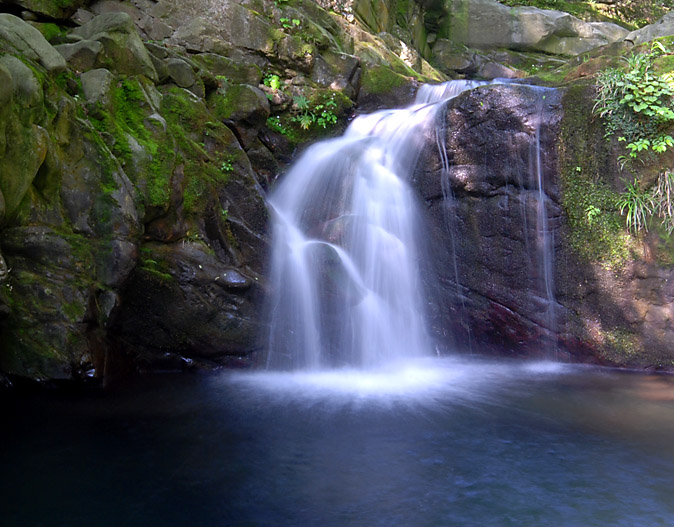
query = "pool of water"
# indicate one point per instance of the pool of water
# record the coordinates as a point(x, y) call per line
point(433, 443)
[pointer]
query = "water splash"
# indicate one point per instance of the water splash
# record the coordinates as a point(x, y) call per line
point(345, 255)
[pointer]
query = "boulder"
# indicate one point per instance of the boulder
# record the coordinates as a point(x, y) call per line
point(486, 24)
point(192, 294)
point(60, 10)
point(218, 23)
point(6, 85)
point(123, 50)
point(27, 90)
point(96, 85)
point(28, 41)
point(339, 72)
point(235, 71)
point(82, 55)
point(483, 233)
point(181, 72)
point(662, 28)
point(244, 107)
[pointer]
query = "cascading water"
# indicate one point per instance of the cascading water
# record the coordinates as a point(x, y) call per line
point(542, 251)
point(345, 255)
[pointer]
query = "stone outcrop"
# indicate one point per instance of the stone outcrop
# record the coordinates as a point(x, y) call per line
point(485, 24)
point(484, 216)
point(485, 234)
point(137, 142)
point(19, 37)
point(120, 193)
point(662, 28)
point(134, 234)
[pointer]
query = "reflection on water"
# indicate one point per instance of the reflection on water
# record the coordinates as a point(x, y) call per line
point(430, 443)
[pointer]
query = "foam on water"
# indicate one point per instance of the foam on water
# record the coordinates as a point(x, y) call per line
point(420, 382)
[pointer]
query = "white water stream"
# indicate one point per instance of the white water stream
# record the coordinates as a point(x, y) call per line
point(345, 255)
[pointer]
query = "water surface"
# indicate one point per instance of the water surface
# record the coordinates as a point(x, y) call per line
point(429, 443)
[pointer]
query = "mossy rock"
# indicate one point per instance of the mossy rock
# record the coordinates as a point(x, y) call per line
point(58, 9)
point(381, 87)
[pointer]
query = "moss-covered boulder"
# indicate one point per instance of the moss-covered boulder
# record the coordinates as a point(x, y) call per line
point(123, 49)
point(56, 9)
point(20, 37)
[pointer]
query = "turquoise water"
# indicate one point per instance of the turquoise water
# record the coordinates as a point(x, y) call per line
point(433, 443)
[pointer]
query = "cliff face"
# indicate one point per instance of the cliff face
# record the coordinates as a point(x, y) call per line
point(138, 139)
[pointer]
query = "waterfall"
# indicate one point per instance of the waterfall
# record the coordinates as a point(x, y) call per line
point(544, 238)
point(345, 253)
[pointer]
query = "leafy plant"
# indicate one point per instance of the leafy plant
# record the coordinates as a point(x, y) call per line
point(593, 213)
point(638, 104)
point(288, 23)
point(226, 166)
point(321, 114)
point(274, 123)
point(272, 81)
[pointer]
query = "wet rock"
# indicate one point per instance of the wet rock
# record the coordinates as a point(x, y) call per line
point(487, 225)
point(196, 316)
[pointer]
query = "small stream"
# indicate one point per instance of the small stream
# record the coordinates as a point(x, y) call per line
point(435, 442)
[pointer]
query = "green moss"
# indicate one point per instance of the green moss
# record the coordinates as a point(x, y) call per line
point(596, 230)
point(74, 311)
point(195, 191)
point(381, 79)
point(126, 122)
point(622, 347)
point(51, 32)
point(663, 65)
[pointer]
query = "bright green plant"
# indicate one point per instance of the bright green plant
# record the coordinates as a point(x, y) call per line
point(321, 114)
point(638, 104)
point(637, 206)
point(226, 166)
point(593, 213)
point(288, 23)
point(272, 81)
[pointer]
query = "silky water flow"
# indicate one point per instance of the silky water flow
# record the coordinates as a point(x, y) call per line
point(345, 257)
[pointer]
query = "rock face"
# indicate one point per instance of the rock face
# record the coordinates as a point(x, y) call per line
point(487, 24)
point(507, 150)
point(662, 28)
point(483, 207)
point(132, 199)
point(120, 195)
